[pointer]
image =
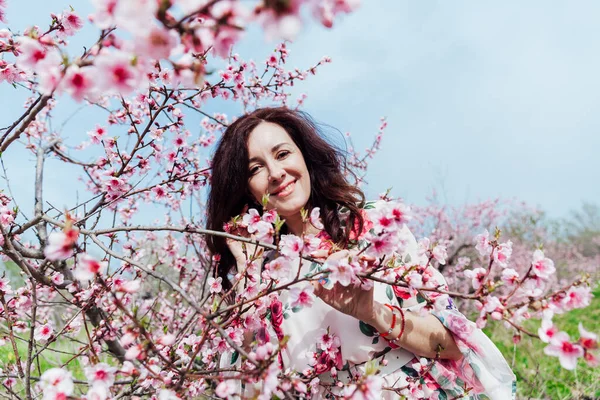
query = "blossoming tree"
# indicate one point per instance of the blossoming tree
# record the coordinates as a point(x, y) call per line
point(112, 305)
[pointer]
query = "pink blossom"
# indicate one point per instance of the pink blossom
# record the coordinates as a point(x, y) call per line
point(5, 286)
point(414, 279)
point(78, 82)
point(71, 22)
point(389, 216)
point(577, 297)
point(97, 392)
point(342, 271)
point(400, 212)
point(482, 243)
point(43, 332)
point(32, 52)
point(166, 340)
point(104, 17)
point(311, 243)
point(226, 389)
point(133, 15)
point(117, 73)
point(591, 359)
point(270, 216)
point(284, 27)
point(477, 276)
point(10, 73)
point(315, 218)
point(159, 192)
point(49, 75)
point(547, 331)
point(381, 245)
point(56, 382)
point(7, 216)
point(560, 346)
point(60, 246)
point(290, 245)
point(126, 286)
point(301, 297)
point(587, 339)
point(279, 268)
point(440, 254)
point(134, 352)
point(100, 374)
point(157, 42)
point(166, 394)
point(264, 232)
point(494, 307)
point(58, 278)
point(98, 134)
point(503, 253)
point(88, 267)
point(542, 266)
point(510, 276)
point(252, 219)
point(215, 284)
point(370, 389)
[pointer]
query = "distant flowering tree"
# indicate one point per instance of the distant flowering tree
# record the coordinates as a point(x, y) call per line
point(131, 308)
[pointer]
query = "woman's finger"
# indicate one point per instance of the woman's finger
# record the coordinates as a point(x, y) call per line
point(321, 253)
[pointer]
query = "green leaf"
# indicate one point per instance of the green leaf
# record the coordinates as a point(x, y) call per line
point(409, 371)
point(443, 381)
point(389, 292)
point(234, 357)
point(296, 309)
point(442, 395)
point(366, 329)
point(371, 367)
point(407, 259)
point(375, 340)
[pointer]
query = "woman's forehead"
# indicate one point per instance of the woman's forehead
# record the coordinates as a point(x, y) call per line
point(267, 137)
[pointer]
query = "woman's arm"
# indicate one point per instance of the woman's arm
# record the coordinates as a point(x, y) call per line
point(422, 334)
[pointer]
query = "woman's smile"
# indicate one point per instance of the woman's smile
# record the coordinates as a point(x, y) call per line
point(285, 190)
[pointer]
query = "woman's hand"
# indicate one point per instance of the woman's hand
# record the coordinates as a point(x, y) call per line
point(237, 249)
point(351, 300)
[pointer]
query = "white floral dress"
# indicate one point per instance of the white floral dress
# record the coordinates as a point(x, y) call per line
point(332, 346)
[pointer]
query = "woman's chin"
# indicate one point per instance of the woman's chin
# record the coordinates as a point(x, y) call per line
point(289, 209)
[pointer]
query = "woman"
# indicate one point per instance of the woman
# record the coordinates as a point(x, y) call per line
point(278, 153)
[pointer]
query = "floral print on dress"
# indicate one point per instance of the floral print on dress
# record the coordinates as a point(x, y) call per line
point(328, 347)
point(482, 372)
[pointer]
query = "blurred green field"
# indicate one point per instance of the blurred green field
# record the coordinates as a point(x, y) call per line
point(540, 376)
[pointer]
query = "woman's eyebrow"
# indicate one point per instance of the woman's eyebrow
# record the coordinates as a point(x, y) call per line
point(273, 150)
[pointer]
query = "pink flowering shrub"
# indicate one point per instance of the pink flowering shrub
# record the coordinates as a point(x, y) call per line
point(136, 298)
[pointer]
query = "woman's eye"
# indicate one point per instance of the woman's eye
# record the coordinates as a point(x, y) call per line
point(282, 154)
point(254, 170)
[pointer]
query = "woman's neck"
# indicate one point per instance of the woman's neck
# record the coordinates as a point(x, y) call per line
point(296, 226)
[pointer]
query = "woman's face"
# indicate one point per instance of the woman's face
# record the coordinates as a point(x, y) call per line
point(276, 167)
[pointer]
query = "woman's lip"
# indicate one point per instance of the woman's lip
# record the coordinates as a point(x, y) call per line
point(284, 189)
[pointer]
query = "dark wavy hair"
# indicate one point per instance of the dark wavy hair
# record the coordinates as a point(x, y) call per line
point(326, 164)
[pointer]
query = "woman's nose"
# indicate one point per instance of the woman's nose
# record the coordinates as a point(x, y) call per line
point(276, 173)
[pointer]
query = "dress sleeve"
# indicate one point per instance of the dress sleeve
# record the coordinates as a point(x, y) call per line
point(482, 366)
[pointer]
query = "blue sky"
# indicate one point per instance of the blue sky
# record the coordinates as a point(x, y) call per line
point(483, 99)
